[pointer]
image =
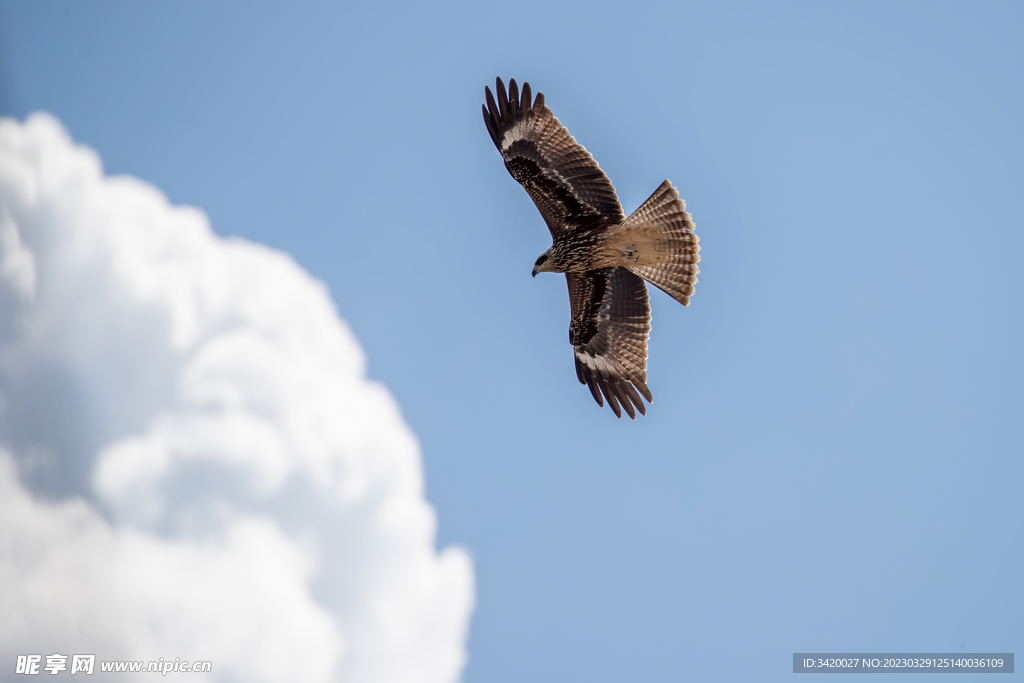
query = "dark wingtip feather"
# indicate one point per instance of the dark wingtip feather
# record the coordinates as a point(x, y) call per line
point(539, 102)
point(634, 397)
point(494, 127)
point(526, 103)
point(610, 395)
point(623, 398)
point(502, 97)
point(490, 125)
point(642, 388)
point(587, 377)
point(491, 106)
point(513, 97)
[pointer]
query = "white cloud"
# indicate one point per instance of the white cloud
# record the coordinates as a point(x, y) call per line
point(195, 464)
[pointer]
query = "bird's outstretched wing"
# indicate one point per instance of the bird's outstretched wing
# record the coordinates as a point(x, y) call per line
point(561, 177)
point(611, 319)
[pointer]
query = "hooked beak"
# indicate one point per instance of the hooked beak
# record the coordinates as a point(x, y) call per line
point(535, 271)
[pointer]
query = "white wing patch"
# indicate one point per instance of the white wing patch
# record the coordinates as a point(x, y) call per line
point(516, 132)
point(599, 363)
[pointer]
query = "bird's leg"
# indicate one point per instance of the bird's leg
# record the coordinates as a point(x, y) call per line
point(629, 253)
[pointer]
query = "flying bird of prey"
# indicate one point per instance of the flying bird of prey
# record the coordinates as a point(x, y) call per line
point(606, 257)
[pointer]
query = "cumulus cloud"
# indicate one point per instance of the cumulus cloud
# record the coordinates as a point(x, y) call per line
point(193, 463)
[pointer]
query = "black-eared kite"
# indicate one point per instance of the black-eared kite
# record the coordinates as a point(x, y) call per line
point(606, 257)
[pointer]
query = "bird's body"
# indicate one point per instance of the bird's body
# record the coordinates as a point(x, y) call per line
point(605, 246)
point(605, 256)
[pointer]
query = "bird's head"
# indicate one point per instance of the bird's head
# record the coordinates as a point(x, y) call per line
point(542, 265)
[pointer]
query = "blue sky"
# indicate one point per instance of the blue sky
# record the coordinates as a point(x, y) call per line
point(832, 461)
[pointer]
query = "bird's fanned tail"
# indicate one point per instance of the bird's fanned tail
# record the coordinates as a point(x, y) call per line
point(676, 273)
